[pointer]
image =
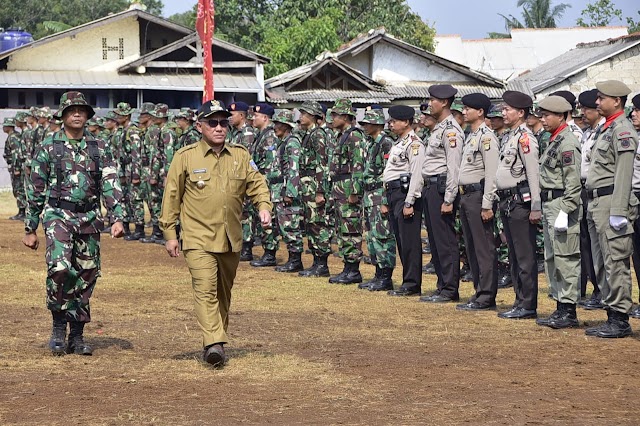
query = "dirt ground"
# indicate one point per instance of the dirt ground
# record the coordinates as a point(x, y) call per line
point(302, 352)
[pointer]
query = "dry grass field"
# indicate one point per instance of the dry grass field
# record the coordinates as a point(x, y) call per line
point(302, 352)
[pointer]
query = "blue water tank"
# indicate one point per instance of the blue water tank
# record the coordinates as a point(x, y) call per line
point(14, 37)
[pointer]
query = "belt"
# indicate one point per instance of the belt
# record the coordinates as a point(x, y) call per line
point(506, 193)
point(394, 184)
point(72, 207)
point(338, 178)
point(307, 172)
point(279, 179)
point(550, 194)
point(472, 187)
point(373, 186)
point(599, 192)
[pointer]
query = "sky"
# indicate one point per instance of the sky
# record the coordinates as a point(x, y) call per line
point(469, 18)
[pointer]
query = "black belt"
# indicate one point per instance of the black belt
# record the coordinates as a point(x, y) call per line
point(72, 207)
point(307, 172)
point(276, 180)
point(550, 194)
point(338, 178)
point(506, 193)
point(394, 184)
point(472, 187)
point(373, 186)
point(599, 192)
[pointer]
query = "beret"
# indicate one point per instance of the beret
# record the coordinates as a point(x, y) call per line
point(375, 106)
point(636, 101)
point(401, 112)
point(442, 91)
point(477, 101)
point(517, 100)
point(555, 103)
point(265, 109)
point(239, 106)
point(588, 98)
point(613, 88)
point(570, 97)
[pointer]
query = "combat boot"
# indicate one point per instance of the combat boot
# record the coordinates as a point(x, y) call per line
point(310, 270)
point(137, 234)
point(294, 264)
point(127, 230)
point(246, 254)
point(567, 319)
point(58, 334)
point(76, 344)
point(429, 268)
point(19, 216)
point(465, 273)
point(155, 235)
point(385, 282)
point(322, 270)
point(504, 276)
point(617, 326)
point(350, 275)
point(268, 259)
point(365, 285)
point(557, 313)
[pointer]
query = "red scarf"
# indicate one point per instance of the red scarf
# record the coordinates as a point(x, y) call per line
point(610, 120)
point(558, 130)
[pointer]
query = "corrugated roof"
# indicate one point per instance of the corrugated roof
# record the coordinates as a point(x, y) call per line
point(223, 82)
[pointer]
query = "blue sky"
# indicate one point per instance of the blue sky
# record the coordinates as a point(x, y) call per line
point(470, 18)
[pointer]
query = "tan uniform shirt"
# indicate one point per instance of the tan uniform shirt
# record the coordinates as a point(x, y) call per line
point(519, 163)
point(406, 156)
point(206, 191)
point(613, 156)
point(588, 139)
point(443, 154)
point(480, 161)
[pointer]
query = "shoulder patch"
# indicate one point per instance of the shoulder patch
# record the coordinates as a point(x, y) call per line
point(486, 143)
point(524, 143)
point(453, 139)
point(253, 165)
point(415, 148)
point(625, 144)
point(568, 158)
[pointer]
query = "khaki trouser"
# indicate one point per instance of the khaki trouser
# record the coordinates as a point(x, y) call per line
point(615, 247)
point(562, 253)
point(212, 276)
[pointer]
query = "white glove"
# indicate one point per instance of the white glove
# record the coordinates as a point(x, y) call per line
point(618, 222)
point(562, 222)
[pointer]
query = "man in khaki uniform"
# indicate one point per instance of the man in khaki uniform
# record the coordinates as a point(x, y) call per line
point(477, 188)
point(612, 206)
point(560, 190)
point(206, 186)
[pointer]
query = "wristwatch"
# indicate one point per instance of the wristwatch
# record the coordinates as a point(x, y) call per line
point(408, 205)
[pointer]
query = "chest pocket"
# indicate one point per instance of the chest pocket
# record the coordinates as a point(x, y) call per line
point(508, 156)
point(601, 154)
point(550, 159)
point(398, 155)
point(237, 182)
point(201, 184)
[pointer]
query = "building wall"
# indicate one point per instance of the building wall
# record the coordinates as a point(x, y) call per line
point(361, 62)
point(84, 51)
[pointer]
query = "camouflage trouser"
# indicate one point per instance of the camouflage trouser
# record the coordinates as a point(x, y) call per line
point(248, 221)
point(348, 226)
point(381, 241)
point(501, 242)
point(457, 227)
point(73, 266)
point(153, 195)
point(270, 236)
point(317, 228)
point(291, 224)
point(134, 203)
point(18, 187)
point(540, 242)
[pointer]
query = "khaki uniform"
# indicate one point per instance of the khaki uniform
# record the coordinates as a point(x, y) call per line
point(560, 191)
point(477, 188)
point(206, 191)
point(611, 172)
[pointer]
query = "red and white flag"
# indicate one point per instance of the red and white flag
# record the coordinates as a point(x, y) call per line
point(205, 27)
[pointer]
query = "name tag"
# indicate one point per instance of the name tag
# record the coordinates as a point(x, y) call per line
point(195, 172)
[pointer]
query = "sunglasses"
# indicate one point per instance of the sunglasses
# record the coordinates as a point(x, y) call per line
point(214, 123)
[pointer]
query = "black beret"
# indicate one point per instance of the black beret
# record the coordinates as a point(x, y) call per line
point(402, 112)
point(264, 108)
point(477, 101)
point(375, 106)
point(636, 101)
point(517, 100)
point(324, 108)
point(570, 97)
point(588, 98)
point(239, 106)
point(442, 91)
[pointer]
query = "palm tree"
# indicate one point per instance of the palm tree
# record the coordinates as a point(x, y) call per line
point(536, 14)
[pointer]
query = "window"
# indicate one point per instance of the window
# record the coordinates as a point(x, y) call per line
point(93, 99)
point(56, 97)
point(39, 98)
point(22, 99)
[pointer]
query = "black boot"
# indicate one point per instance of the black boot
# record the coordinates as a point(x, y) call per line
point(137, 234)
point(294, 264)
point(385, 282)
point(19, 216)
point(429, 268)
point(366, 285)
point(465, 273)
point(557, 313)
point(246, 254)
point(350, 274)
point(127, 230)
point(269, 259)
point(155, 234)
point(58, 334)
point(322, 270)
point(567, 318)
point(310, 270)
point(76, 343)
point(504, 276)
point(617, 325)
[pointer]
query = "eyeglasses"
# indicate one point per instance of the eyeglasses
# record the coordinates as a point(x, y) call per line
point(214, 123)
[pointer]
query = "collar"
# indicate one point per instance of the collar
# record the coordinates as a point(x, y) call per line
point(611, 119)
point(205, 148)
point(558, 130)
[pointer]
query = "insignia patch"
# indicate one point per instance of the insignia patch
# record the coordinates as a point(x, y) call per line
point(567, 158)
point(415, 147)
point(453, 142)
point(524, 143)
point(625, 143)
point(386, 156)
point(486, 144)
point(451, 135)
point(623, 134)
point(253, 165)
point(197, 171)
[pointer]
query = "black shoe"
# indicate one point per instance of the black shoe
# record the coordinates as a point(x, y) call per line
point(246, 254)
point(467, 276)
point(617, 326)
point(566, 319)
point(58, 334)
point(155, 236)
point(137, 234)
point(366, 285)
point(214, 355)
point(593, 331)
point(321, 269)
point(429, 269)
point(504, 277)
point(635, 312)
point(127, 230)
point(20, 216)
point(76, 344)
point(294, 264)
point(426, 249)
point(475, 306)
point(404, 292)
point(518, 313)
point(541, 266)
point(428, 297)
point(385, 282)
point(367, 260)
point(557, 313)
point(350, 274)
point(269, 259)
point(440, 298)
point(594, 303)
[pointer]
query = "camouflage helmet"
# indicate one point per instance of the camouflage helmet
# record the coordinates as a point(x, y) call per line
point(92, 121)
point(160, 111)
point(44, 112)
point(21, 116)
point(328, 119)
point(535, 110)
point(373, 116)
point(311, 107)
point(9, 122)
point(250, 113)
point(111, 116)
point(426, 111)
point(495, 112)
point(57, 121)
point(457, 106)
point(147, 108)
point(417, 116)
point(69, 99)
point(100, 122)
point(123, 109)
point(343, 106)
point(33, 112)
point(186, 113)
point(577, 113)
point(284, 116)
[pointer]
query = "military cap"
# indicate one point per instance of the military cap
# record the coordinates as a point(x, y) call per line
point(160, 111)
point(100, 122)
point(343, 106)
point(555, 103)
point(477, 101)
point(9, 122)
point(588, 98)
point(311, 107)
point(33, 111)
point(636, 101)
point(147, 108)
point(187, 114)
point(495, 112)
point(373, 116)
point(69, 99)
point(457, 106)
point(424, 106)
point(21, 116)
point(92, 121)
point(576, 113)
point(111, 116)
point(613, 88)
point(426, 111)
point(123, 108)
point(324, 109)
point(264, 108)
point(536, 111)
point(376, 106)
point(328, 117)
point(239, 106)
point(45, 111)
point(401, 112)
point(284, 116)
point(57, 121)
point(211, 107)
point(417, 115)
point(517, 100)
point(442, 91)
point(570, 97)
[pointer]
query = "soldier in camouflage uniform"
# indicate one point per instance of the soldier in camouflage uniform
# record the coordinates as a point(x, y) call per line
point(144, 122)
point(43, 115)
point(190, 133)
point(381, 241)
point(14, 156)
point(69, 172)
point(155, 151)
point(28, 139)
point(265, 156)
point(346, 164)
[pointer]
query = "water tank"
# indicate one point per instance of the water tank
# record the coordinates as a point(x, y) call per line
point(13, 37)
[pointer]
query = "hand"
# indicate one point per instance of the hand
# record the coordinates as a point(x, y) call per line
point(535, 217)
point(353, 199)
point(320, 200)
point(287, 201)
point(618, 222)
point(117, 230)
point(31, 241)
point(384, 209)
point(153, 182)
point(135, 181)
point(164, 182)
point(446, 208)
point(172, 247)
point(265, 218)
point(562, 222)
point(407, 212)
point(486, 215)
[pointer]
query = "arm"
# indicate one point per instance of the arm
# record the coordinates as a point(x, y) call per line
point(490, 156)
point(570, 157)
point(416, 154)
point(111, 189)
point(528, 150)
point(257, 189)
point(172, 198)
point(625, 144)
point(319, 143)
point(358, 142)
point(453, 149)
point(37, 185)
point(292, 181)
point(136, 149)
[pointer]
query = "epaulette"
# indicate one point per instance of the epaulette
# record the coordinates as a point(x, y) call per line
point(186, 148)
point(236, 145)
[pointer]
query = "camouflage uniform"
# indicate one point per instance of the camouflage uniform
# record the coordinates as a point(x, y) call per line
point(245, 136)
point(191, 134)
point(14, 156)
point(153, 170)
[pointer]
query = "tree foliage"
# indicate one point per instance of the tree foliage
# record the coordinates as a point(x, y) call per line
point(536, 14)
point(634, 26)
point(599, 14)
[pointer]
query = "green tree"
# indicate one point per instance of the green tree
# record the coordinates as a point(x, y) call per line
point(599, 14)
point(634, 26)
point(536, 14)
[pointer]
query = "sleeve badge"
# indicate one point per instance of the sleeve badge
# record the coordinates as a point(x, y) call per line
point(567, 158)
point(524, 143)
